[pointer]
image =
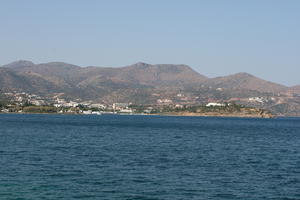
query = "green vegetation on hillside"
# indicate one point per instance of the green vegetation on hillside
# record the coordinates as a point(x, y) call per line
point(39, 109)
point(153, 109)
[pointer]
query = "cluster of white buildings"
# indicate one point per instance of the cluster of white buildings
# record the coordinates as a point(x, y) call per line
point(164, 101)
point(122, 107)
point(94, 108)
point(258, 99)
point(59, 103)
point(21, 97)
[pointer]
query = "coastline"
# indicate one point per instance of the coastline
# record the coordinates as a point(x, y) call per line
point(174, 114)
point(213, 114)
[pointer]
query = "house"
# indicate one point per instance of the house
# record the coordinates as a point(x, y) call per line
point(97, 105)
point(87, 112)
point(126, 110)
point(258, 99)
point(119, 106)
point(38, 102)
point(164, 101)
point(214, 104)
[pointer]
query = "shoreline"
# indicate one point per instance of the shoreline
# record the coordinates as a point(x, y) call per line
point(213, 114)
point(169, 114)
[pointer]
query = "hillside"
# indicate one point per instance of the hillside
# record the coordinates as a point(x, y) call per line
point(30, 82)
point(161, 75)
point(246, 81)
point(143, 83)
point(94, 82)
point(66, 76)
point(296, 89)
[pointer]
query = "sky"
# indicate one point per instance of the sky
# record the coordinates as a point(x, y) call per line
point(214, 37)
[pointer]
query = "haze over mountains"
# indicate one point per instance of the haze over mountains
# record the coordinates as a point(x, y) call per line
point(62, 76)
point(141, 83)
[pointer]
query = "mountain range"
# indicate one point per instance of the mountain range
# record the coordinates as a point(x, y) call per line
point(65, 76)
point(129, 83)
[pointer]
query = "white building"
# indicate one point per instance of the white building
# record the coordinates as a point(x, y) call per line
point(126, 110)
point(97, 105)
point(258, 99)
point(167, 101)
point(214, 104)
point(38, 102)
point(119, 106)
point(72, 104)
point(87, 112)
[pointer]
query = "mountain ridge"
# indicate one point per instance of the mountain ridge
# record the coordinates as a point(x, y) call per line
point(26, 64)
point(64, 75)
point(143, 83)
point(243, 80)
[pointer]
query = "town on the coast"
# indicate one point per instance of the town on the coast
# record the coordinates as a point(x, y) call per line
point(22, 102)
point(140, 88)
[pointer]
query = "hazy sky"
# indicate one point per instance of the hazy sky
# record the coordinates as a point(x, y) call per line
point(214, 37)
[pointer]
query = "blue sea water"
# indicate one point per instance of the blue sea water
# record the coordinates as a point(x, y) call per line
point(148, 157)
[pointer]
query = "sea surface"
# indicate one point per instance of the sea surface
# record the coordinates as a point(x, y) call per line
point(148, 157)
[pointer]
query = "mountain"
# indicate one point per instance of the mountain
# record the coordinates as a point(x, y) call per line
point(290, 108)
point(296, 89)
point(246, 81)
point(161, 75)
point(43, 79)
point(59, 76)
point(30, 82)
point(19, 64)
point(52, 71)
point(95, 82)
point(164, 75)
point(144, 83)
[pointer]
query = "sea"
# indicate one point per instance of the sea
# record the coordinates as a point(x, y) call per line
point(148, 157)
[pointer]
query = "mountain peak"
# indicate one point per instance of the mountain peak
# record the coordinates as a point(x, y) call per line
point(248, 81)
point(243, 74)
point(19, 64)
point(141, 64)
point(58, 64)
